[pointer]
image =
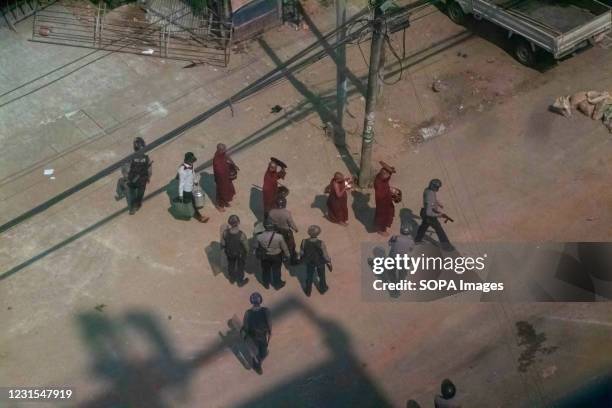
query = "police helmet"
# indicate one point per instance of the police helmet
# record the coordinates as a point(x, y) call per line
point(435, 184)
point(233, 220)
point(314, 231)
point(139, 143)
point(448, 389)
point(256, 299)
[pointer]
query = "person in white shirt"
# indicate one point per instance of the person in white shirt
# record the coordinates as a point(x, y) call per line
point(186, 179)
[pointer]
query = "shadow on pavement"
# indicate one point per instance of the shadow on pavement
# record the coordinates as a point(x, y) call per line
point(362, 210)
point(215, 257)
point(302, 111)
point(161, 378)
point(208, 185)
point(320, 202)
point(256, 202)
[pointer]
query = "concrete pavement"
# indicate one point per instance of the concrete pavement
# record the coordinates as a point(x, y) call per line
point(512, 171)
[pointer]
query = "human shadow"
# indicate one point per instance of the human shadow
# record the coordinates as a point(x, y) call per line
point(298, 272)
point(208, 185)
point(256, 202)
point(362, 210)
point(216, 259)
point(320, 202)
point(234, 341)
point(339, 381)
point(161, 377)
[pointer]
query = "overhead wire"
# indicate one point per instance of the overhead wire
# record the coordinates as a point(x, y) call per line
point(77, 60)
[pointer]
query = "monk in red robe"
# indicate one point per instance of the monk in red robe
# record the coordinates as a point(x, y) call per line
point(385, 210)
point(222, 167)
point(337, 201)
point(275, 172)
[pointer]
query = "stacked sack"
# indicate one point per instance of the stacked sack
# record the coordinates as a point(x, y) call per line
point(594, 104)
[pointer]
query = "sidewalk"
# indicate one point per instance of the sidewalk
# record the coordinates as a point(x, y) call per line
point(162, 301)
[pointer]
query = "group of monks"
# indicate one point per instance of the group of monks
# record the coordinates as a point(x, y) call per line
point(225, 171)
point(385, 197)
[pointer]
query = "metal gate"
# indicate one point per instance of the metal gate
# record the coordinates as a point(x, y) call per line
point(179, 34)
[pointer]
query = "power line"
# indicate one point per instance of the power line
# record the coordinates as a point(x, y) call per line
point(266, 80)
point(77, 60)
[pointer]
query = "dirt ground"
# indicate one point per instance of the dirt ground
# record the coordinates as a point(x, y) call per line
point(134, 310)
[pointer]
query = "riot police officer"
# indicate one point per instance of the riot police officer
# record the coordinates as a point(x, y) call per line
point(138, 176)
point(256, 327)
point(431, 214)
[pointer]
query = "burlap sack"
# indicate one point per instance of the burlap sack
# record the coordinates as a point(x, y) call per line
point(576, 98)
point(586, 108)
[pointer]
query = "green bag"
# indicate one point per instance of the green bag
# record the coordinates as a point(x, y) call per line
point(180, 211)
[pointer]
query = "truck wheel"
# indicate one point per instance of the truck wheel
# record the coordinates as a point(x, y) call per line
point(524, 53)
point(455, 12)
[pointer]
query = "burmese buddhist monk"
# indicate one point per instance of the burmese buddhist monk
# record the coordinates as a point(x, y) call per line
point(275, 172)
point(337, 201)
point(385, 210)
point(223, 167)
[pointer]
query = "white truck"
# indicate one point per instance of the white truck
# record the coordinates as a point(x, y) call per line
point(557, 27)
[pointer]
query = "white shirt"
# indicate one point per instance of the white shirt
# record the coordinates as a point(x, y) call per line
point(186, 177)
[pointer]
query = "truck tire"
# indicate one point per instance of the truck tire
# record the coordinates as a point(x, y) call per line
point(524, 52)
point(455, 12)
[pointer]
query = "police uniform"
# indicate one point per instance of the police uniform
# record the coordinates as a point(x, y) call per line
point(257, 327)
point(274, 247)
point(137, 179)
point(430, 218)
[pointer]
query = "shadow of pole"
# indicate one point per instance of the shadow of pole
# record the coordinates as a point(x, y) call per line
point(297, 114)
point(318, 104)
point(157, 379)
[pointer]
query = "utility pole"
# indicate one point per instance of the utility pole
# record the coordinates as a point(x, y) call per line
point(341, 86)
point(365, 169)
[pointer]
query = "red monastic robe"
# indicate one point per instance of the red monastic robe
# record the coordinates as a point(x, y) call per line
point(270, 188)
point(385, 210)
point(225, 187)
point(337, 202)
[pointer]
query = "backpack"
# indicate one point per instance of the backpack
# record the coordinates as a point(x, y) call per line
point(233, 244)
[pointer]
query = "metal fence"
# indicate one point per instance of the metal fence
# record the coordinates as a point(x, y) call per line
point(132, 29)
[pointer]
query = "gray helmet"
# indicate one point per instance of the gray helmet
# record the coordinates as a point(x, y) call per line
point(256, 299)
point(190, 158)
point(435, 184)
point(281, 202)
point(233, 220)
point(448, 389)
point(314, 231)
point(139, 143)
point(405, 229)
point(268, 225)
